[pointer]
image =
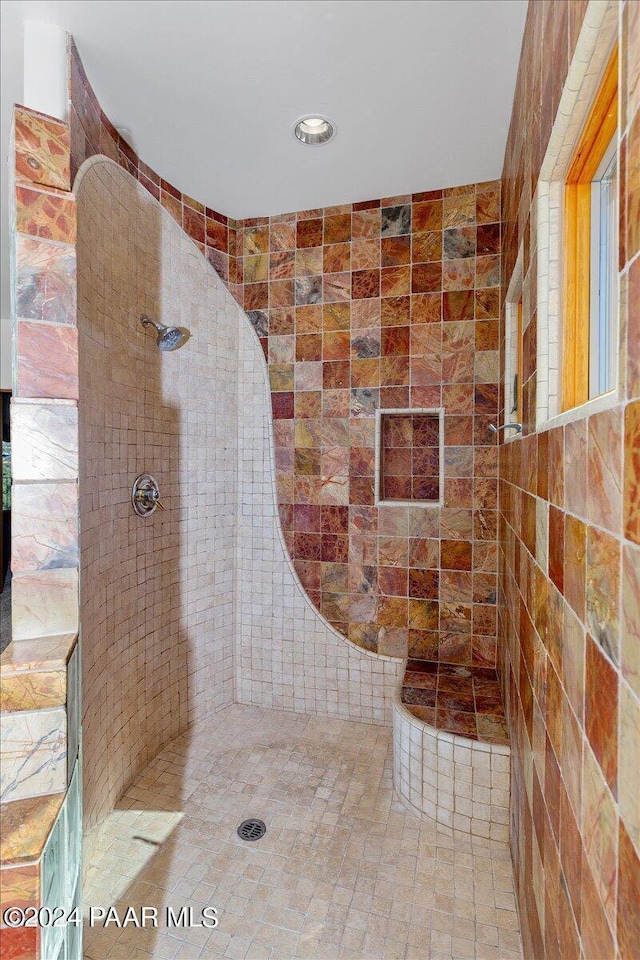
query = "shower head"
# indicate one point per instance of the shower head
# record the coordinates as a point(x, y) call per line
point(169, 338)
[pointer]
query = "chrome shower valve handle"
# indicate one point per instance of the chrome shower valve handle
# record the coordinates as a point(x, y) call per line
point(145, 495)
point(150, 498)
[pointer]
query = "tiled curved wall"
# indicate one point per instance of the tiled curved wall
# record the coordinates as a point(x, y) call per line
point(157, 602)
point(173, 605)
point(287, 655)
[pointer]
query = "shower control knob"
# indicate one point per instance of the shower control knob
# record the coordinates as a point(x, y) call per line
point(145, 495)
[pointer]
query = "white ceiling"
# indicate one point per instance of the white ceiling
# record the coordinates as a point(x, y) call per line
point(420, 91)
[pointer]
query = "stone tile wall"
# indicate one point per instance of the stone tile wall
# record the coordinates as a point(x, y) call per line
point(39, 693)
point(382, 305)
point(389, 303)
point(570, 563)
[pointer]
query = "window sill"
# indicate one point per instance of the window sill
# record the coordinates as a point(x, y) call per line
point(606, 401)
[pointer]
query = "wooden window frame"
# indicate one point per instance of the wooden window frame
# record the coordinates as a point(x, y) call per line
point(598, 132)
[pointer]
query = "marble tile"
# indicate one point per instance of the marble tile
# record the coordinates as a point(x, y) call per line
point(603, 590)
point(599, 827)
point(629, 763)
point(260, 321)
point(34, 760)
point(633, 187)
point(42, 653)
point(44, 441)
point(19, 884)
point(604, 488)
point(556, 547)
point(628, 916)
point(630, 633)
point(601, 711)
point(458, 211)
point(569, 839)
point(42, 149)
point(44, 602)
point(576, 467)
point(20, 943)
point(44, 532)
point(46, 281)
point(396, 221)
point(308, 290)
point(50, 216)
point(32, 691)
point(47, 360)
point(25, 825)
point(575, 571)
point(459, 242)
point(542, 534)
point(631, 500)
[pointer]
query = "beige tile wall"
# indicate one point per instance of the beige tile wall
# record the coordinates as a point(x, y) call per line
point(157, 604)
point(177, 608)
point(287, 655)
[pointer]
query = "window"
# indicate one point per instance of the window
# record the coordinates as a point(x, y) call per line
point(604, 273)
point(591, 244)
point(515, 394)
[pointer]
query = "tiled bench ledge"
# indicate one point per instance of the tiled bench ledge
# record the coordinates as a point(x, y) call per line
point(460, 783)
point(40, 789)
point(33, 673)
point(39, 717)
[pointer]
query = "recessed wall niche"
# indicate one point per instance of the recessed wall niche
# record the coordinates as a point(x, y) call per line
point(409, 456)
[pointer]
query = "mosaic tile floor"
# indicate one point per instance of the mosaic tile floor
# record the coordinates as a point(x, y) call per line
point(464, 700)
point(344, 871)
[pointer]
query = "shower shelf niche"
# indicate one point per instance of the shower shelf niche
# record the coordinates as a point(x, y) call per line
point(409, 467)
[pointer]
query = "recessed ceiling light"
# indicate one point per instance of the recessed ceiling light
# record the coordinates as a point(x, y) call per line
point(314, 130)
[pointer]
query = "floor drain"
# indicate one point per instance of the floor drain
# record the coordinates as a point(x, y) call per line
point(251, 829)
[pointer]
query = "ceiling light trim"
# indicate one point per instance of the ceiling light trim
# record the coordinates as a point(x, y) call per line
point(314, 130)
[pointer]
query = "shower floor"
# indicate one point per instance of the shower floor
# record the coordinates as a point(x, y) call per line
point(462, 700)
point(345, 870)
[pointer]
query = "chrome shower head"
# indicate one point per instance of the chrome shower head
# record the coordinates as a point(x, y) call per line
point(169, 338)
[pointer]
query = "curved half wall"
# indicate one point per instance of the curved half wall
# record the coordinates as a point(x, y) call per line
point(198, 605)
point(157, 599)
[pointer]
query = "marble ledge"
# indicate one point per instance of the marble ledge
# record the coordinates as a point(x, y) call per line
point(26, 825)
point(33, 673)
point(39, 653)
point(48, 402)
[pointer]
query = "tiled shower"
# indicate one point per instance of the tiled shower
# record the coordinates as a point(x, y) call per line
point(411, 643)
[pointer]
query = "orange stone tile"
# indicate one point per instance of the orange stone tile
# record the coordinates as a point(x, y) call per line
point(628, 915)
point(631, 490)
point(42, 149)
point(48, 215)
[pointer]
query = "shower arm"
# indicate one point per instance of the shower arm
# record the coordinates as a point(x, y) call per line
point(505, 426)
